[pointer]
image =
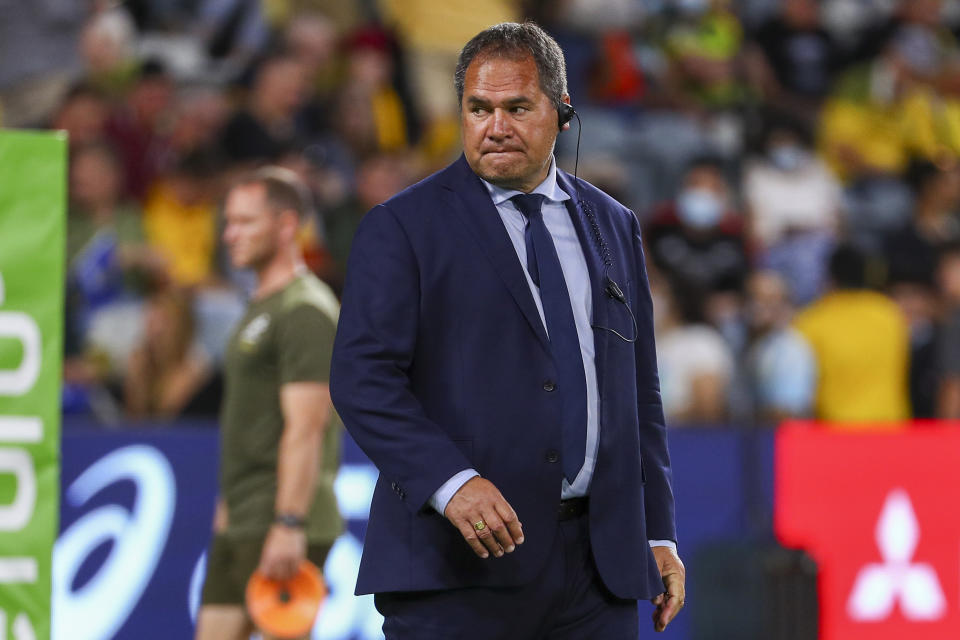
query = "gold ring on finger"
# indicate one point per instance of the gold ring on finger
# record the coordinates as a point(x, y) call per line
point(479, 525)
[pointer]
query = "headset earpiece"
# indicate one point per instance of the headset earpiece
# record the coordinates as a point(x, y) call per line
point(565, 113)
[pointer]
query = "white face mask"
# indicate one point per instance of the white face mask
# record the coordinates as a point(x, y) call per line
point(789, 157)
point(699, 208)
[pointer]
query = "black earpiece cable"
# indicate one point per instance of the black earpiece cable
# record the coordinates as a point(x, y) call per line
point(611, 288)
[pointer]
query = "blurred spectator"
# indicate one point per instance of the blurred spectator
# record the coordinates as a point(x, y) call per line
point(359, 112)
point(861, 343)
point(38, 57)
point(431, 35)
point(312, 39)
point(312, 235)
point(168, 373)
point(139, 127)
point(373, 115)
point(698, 239)
point(885, 112)
point(911, 250)
point(233, 29)
point(179, 218)
point(875, 206)
point(948, 347)
point(83, 115)
point(108, 47)
point(268, 125)
point(793, 204)
point(801, 56)
point(921, 23)
point(788, 191)
point(378, 179)
point(919, 303)
point(704, 47)
point(106, 252)
point(801, 259)
point(199, 113)
point(107, 267)
point(780, 366)
point(694, 362)
point(344, 16)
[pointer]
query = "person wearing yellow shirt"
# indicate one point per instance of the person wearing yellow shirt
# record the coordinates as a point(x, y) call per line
point(179, 221)
point(861, 343)
point(885, 113)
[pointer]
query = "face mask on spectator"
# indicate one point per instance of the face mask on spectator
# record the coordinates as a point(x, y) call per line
point(788, 157)
point(699, 208)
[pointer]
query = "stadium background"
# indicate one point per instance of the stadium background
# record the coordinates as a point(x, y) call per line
point(754, 139)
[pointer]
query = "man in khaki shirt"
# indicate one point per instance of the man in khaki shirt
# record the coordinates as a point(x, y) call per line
point(279, 434)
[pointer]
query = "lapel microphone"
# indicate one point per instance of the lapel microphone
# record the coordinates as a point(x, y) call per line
point(566, 113)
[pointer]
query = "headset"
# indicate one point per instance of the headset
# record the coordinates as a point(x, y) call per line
point(566, 113)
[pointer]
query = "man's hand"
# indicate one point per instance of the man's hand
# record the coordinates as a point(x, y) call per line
point(674, 576)
point(283, 551)
point(478, 500)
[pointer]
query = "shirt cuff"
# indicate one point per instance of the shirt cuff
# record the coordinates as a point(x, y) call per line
point(664, 543)
point(442, 496)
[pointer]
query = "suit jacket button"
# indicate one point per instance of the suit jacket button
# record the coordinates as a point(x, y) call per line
point(552, 456)
point(549, 385)
point(395, 487)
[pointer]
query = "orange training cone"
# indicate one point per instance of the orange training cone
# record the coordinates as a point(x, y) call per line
point(286, 608)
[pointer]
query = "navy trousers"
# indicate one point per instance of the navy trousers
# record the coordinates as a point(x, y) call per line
point(567, 601)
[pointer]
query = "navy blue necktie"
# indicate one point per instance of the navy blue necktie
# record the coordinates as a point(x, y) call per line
point(544, 268)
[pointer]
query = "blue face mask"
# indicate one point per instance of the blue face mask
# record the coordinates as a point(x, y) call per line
point(699, 208)
point(788, 157)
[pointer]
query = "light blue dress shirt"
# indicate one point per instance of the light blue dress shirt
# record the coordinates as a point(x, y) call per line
point(577, 277)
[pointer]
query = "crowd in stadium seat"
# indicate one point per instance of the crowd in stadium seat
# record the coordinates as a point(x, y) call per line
point(794, 164)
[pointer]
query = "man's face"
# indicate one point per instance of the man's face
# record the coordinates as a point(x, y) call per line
point(766, 300)
point(509, 124)
point(281, 85)
point(252, 231)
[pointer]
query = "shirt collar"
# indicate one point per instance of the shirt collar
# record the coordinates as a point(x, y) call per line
point(548, 188)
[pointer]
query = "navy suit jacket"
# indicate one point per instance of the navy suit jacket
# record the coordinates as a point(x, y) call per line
point(439, 365)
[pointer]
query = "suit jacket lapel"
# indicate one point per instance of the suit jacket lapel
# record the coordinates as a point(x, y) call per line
point(595, 266)
point(470, 201)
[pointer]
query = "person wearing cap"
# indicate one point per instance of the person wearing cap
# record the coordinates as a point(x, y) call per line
point(280, 438)
point(495, 359)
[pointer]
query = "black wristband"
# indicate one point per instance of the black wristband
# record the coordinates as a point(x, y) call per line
point(290, 520)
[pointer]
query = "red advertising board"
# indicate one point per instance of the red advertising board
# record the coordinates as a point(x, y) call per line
point(880, 513)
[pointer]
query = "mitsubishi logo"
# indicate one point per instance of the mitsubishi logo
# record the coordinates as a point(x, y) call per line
point(915, 585)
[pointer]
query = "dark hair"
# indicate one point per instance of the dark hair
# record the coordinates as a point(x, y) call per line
point(920, 174)
point(153, 69)
point(82, 89)
point(518, 40)
point(284, 190)
point(778, 121)
point(705, 161)
point(848, 267)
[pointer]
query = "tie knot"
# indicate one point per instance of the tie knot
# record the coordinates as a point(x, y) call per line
point(528, 204)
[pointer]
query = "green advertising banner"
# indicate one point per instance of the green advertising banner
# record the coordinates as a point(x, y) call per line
point(32, 228)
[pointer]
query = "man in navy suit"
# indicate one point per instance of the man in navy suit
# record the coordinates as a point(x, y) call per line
point(495, 359)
